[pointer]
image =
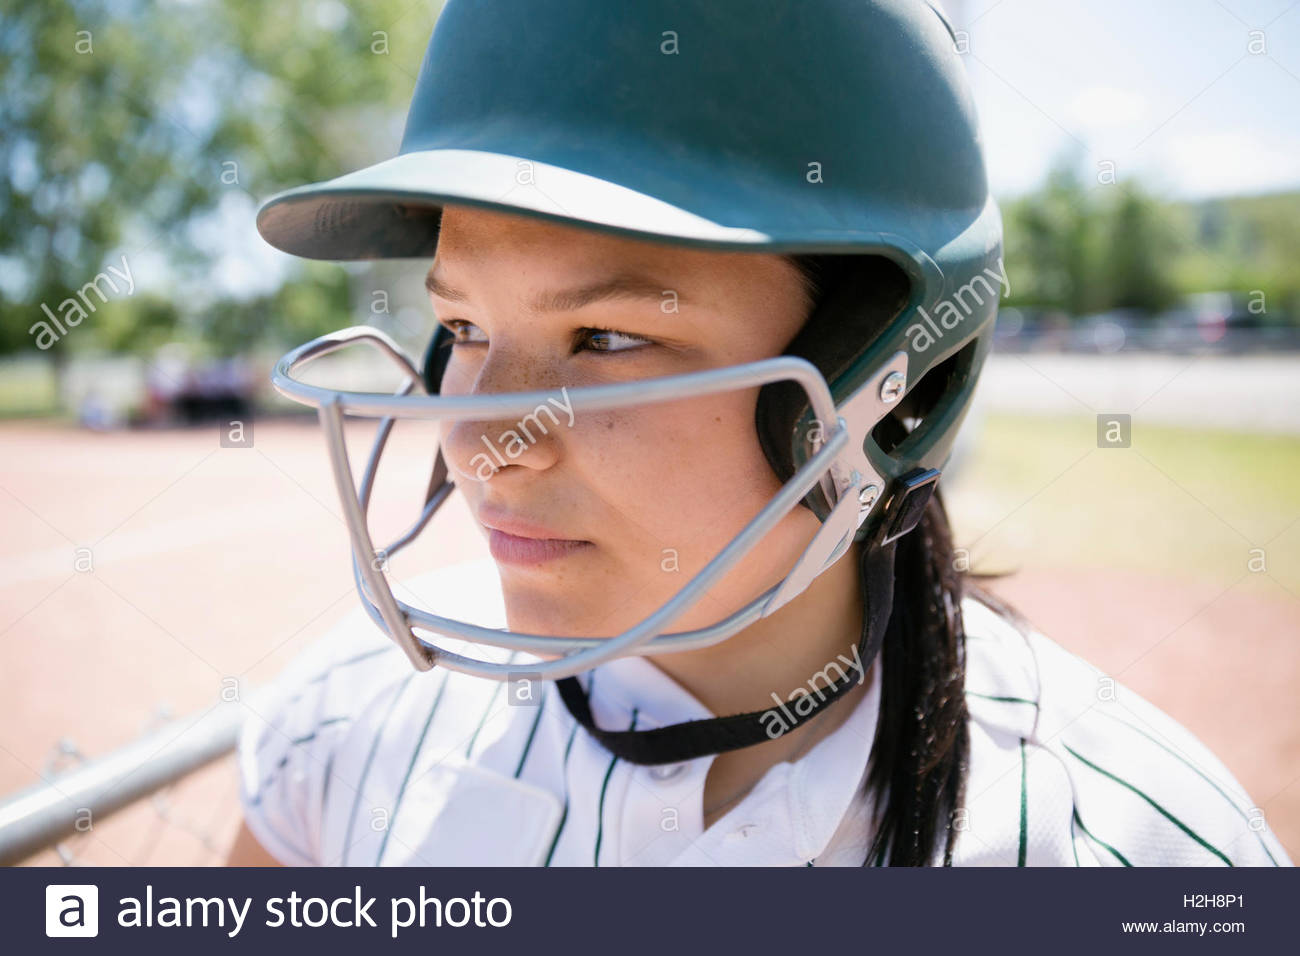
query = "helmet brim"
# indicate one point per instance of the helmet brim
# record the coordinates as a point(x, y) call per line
point(391, 210)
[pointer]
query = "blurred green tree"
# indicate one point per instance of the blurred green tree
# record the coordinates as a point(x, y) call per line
point(127, 125)
point(1137, 263)
point(1053, 241)
point(1080, 249)
point(1249, 244)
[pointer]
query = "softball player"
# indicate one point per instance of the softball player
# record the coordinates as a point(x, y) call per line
point(714, 282)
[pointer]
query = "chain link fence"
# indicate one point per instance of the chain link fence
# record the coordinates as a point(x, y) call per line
point(168, 798)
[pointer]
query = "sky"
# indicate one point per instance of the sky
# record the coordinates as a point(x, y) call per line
point(1195, 98)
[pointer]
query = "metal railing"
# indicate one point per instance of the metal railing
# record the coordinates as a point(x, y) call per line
point(74, 800)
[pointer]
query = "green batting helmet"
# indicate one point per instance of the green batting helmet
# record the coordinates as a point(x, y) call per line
point(838, 127)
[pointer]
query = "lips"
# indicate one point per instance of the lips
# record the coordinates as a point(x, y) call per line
point(511, 549)
point(519, 541)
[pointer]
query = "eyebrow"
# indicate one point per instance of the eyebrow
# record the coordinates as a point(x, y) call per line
point(622, 285)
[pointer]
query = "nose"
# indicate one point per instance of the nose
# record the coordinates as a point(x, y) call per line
point(477, 450)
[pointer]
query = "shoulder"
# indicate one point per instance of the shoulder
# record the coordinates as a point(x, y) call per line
point(1070, 767)
point(341, 723)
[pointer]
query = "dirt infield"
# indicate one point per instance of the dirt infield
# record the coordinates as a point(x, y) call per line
point(207, 563)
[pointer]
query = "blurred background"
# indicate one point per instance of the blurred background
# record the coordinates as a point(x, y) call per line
point(152, 574)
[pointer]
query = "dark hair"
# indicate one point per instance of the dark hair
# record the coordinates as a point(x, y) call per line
point(917, 770)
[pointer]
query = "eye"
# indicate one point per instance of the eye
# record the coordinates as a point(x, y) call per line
point(609, 340)
point(592, 340)
point(463, 333)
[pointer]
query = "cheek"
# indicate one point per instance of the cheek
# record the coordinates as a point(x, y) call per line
point(682, 473)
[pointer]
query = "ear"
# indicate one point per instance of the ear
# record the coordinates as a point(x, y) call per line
point(859, 296)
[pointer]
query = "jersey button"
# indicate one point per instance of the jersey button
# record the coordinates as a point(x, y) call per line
point(662, 772)
point(741, 832)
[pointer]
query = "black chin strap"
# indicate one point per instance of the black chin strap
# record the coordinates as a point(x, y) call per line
point(698, 738)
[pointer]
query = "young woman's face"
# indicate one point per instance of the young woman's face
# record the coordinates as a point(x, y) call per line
point(634, 500)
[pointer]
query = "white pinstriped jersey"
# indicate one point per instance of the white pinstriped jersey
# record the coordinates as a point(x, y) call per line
point(352, 758)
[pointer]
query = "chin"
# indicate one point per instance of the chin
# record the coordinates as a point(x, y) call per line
point(557, 610)
point(567, 615)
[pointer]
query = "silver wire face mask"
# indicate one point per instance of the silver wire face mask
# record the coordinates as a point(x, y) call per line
point(837, 466)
